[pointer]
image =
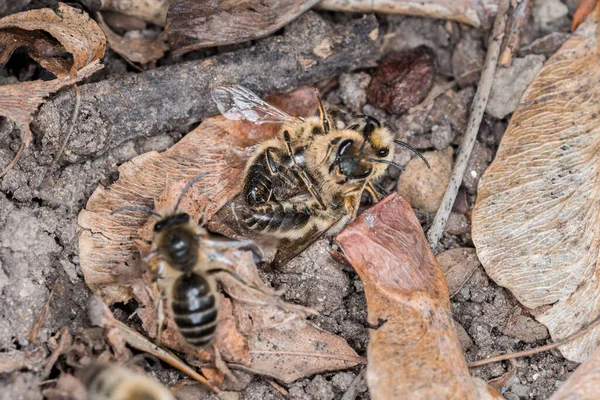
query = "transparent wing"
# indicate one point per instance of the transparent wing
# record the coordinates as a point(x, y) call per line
point(237, 102)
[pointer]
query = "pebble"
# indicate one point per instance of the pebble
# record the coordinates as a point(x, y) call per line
point(457, 224)
point(463, 337)
point(342, 381)
point(441, 136)
point(510, 83)
point(525, 329)
point(353, 90)
point(546, 45)
point(467, 60)
point(422, 187)
point(481, 157)
point(547, 11)
point(320, 389)
point(520, 390)
point(402, 80)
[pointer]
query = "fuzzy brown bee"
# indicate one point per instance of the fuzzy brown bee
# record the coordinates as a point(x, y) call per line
point(333, 165)
point(186, 258)
point(105, 381)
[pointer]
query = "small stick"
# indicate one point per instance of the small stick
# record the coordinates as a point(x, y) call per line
point(514, 29)
point(138, 341)
point(41, 317)
point(540, 349)
point(67, 136)
point(478, 108)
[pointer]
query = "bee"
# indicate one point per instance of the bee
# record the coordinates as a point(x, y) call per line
point(105, 381)
point(333, 165)
point(186, 259)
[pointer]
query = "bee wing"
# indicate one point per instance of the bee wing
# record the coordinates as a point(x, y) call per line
point(237, 102)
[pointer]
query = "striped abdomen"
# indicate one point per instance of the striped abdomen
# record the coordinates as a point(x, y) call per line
point(194, 308)
point(278, 217)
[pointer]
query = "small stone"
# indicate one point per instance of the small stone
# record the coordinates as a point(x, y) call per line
point(463, 337)
point(481, 156)
point(320, 389)
point(461, 204)
point(547, 11)
point(467, 60)
point(546, 45)
point(156, 143)
point(353, 89)
point(520, 390)
point(481, 334)
point(457, 224)
point(525, 329)
point(510, 83)
point(510, 396)
point(402, 80)
point(422, 187)
point(441, 136)
point(342, 381)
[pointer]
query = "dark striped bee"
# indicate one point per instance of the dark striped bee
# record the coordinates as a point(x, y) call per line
point(186, 259)
point(313, 174)
point(105, 381)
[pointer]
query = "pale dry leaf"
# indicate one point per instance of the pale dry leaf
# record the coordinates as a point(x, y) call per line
point(584, 383)
point(138, 50)
point(293, 354)
point(476, 13)
point(196, 24)
point(415, 349)
point(154, 11)
point(76, 32)
point(458, 265)
point(536, 222)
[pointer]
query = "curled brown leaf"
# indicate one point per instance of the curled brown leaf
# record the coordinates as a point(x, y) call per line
point(414, 347)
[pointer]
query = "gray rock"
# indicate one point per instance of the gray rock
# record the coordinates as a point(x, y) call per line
point(510, 83)
point(457, 224)
point(467, 60)
point(481, 157)
point(320, 389)
point(526, 329)
point(441, 136)
point(353, 89)
point(521, 390)
point(547, 11)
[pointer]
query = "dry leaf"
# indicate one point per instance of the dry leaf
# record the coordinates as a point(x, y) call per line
point(458, 265)
point(584, 8)
point(536, 221)
point(76, 32)
point(473, 12)
point(196, 24)
point(293, 354)
point(415, 348)
point(71, 31)
point(154, 11)
point(138, 50)
point(584, 383)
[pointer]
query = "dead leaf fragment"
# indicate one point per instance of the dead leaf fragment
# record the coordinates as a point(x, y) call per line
point(196, 24)
point(137, 50)
point(584, 383)
point(415, 350)
point(458, 265)
point(76, 32)
point(52, 39)
point(536, 221)
point(293, 354)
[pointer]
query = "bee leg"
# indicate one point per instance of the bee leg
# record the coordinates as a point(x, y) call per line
point(241, 281)
point(322, 115)
point(375, 194)
point(302, 172)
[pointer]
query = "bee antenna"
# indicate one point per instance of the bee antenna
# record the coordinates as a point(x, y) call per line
point(188, 186)
point(136, 208)
point(408, 146)
point(401, 168)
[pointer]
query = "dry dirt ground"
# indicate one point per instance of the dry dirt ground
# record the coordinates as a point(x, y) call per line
point(38, 231)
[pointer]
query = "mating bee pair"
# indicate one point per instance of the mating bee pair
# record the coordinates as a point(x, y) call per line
point(313, 173)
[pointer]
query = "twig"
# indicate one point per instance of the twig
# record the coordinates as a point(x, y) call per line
point(41, 317)
point(15, 159)
point(540, 349)
point(67, 136)
point(352, 390)
point(478, 108)
point(138, 341)
point(519, 15)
